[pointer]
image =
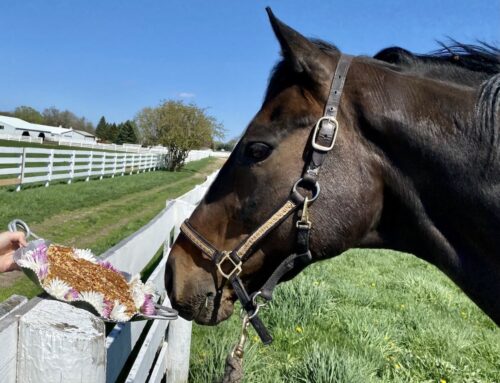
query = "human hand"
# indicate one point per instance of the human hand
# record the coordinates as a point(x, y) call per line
point(10, 242)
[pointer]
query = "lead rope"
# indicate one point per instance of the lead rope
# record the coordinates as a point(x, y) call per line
point(233, 372)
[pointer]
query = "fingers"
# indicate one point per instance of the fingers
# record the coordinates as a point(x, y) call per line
point(19, 237)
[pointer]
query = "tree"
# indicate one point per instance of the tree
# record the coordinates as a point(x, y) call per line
point(226, 146)
point(126, 133)
point(178, 127)
point(55, 117)
point(29, 114)
point(101, 128)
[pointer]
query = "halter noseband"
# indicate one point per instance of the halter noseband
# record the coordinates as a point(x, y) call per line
point(323, 141)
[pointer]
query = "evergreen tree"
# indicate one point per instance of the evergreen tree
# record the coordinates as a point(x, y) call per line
point(101, 131)
point(126, 133)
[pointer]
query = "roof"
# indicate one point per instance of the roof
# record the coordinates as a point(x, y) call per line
point(88, 134)
point(24, 125)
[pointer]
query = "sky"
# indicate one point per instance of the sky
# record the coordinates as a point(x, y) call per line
point(113, 58)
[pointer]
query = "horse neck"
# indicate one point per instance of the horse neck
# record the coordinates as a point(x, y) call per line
point(441, 198)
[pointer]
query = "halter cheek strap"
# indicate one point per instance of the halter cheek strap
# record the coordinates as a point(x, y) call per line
point(230, 263)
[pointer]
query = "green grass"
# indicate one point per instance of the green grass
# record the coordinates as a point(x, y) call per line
point(366, 316)
point(95, 214)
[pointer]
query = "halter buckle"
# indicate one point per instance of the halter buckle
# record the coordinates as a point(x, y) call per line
point(236, 265)
point(317, 128)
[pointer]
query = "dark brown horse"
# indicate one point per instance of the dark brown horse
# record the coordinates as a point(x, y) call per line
point(416, 168)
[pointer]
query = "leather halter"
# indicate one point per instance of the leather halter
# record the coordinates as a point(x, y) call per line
point(230, 263)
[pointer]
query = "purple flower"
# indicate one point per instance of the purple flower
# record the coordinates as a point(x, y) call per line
point(40, 254)
point(108, 265)
point(71, 295)
point(148, 307)
point(43, 270)
point(108, 307)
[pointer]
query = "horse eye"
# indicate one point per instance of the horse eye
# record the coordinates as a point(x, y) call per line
point(258, 151)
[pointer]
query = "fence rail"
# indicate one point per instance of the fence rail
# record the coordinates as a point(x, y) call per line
point(25, 165)
point(44, 340)
point(11, 137)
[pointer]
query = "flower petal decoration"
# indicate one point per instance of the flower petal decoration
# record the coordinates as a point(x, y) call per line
point(85, 254)
point(57, 288)
point(95, 298)
point(119, 313)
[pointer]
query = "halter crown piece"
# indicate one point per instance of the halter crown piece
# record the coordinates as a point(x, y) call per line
point(230, 263)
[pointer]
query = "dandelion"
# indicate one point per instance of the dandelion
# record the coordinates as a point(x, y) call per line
point(402, 306)
point(442, 380)
point(57, 288)
point(397, 366)
point(85, 254)
point(299, 329)
point(373, 284)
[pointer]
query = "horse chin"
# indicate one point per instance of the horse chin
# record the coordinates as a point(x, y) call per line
point(210, 313)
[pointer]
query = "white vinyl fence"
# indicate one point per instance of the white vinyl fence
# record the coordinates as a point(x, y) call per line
point(21, 166)
point(48, 341)
point(11, 137)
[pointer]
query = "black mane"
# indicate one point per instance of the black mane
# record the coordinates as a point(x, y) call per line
point(464, 64)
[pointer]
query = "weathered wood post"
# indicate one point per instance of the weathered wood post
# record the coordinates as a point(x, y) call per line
point(179, 345)
point(61, 343)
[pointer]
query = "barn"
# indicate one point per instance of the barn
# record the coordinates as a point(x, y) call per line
point(12, 126)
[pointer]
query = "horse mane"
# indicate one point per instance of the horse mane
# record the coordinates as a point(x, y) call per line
point(464, 64)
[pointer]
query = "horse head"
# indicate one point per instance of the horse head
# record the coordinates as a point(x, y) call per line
point(258, 177)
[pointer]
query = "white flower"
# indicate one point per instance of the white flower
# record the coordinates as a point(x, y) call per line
point(119, 313)
point(95, 298)
point(140, 290)
point(28, 261)
point(57, 288)
point(85, 254)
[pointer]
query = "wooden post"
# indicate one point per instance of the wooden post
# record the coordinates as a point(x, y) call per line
point(60, 343)
point(103, 167)
point(179, 345)
point(51, 164)
point(124, 167)
point(114, 166)
point(91, 157)
point(23, 164)
point(133, 161)
point(140, 164)
point(72, 167)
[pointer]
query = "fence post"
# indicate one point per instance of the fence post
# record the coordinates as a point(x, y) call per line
point(51, 164)
point(72, 167)
point(114, 166)
point(91, 157)
point(140, 163)
point(103, 165)
point(61, 343)
point(133, 162)
point(124, 167)
point(23, 164)
point(179, 344)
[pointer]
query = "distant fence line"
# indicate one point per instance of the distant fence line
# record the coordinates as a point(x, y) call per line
point(26, 165)
point(11, 137)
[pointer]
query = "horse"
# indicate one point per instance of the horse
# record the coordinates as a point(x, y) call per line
point(411, 163)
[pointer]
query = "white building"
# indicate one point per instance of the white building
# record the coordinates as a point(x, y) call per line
point(13, 126)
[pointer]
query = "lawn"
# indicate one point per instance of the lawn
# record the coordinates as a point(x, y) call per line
point(96, 214)
point(366, 316)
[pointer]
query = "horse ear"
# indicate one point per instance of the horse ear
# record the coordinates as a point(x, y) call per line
point(303, 55)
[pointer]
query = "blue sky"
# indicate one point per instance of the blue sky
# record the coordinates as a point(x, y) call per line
point(113, 58)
